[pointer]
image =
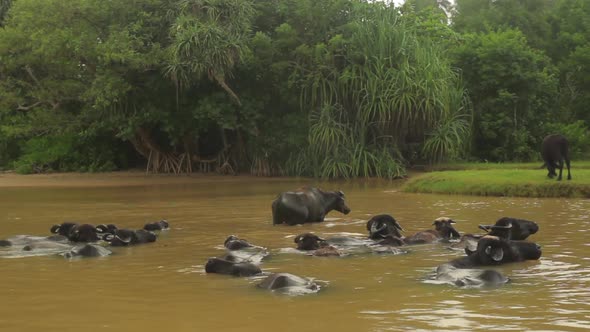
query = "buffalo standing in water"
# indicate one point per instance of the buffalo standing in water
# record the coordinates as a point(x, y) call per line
point(307, 205)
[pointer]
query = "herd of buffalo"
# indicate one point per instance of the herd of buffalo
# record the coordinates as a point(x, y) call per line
point(501, 243)
point(71, 239)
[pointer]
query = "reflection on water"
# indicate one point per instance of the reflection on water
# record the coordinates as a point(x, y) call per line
point(163, 286)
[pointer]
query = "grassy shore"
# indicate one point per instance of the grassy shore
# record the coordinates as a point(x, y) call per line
point(485, 179)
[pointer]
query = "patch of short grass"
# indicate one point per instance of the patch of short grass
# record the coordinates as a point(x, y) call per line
point(501, 182)
point(575, 164)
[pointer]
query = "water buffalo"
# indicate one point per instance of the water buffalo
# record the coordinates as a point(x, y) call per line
point(289, 284)
point(157, 225)
point(126, 237)
point(492, 250)
point(307, 205)
point(320, 247)
point(104, 229)
point(87, 250)
point(511, 228)
point(554, 152)
point(243, 251)
point(63, 229)
point(234, 243)
point(469, 277)
point(84, 233)
point(77, 232)
point(444, 230)
point(309, 241)
point(217, 265)
point(383, 225)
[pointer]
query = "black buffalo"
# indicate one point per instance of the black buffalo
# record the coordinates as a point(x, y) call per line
point(554, 152)
point(77, 232)
point(319, 246)
point(492, 251)
point(87, 250)
point(309, 241)
point(307, 205)
point(126, 237)
point(382, 226)
point(104, 229)
point(289, 284)
point(157, 225)
point(443, 230)
point(511, 228)
point(234, 243)
point(469, 277)
point(217, 265)
point(63, 229)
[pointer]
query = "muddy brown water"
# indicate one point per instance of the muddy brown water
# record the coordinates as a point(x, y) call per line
point(163, 286)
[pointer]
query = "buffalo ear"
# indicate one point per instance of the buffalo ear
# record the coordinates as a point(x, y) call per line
point(340, 193)
point(495, 254)
point(370, 224)
point(298, 238)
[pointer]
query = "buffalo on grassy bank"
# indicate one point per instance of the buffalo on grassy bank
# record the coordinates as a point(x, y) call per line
point(554, 152)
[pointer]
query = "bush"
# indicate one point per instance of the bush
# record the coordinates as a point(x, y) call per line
point(66, 153)
point(577, 135)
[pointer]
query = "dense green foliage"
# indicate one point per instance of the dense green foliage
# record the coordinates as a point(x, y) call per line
point(331, 88)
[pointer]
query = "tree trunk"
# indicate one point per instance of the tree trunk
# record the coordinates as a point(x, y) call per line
point(159, 161)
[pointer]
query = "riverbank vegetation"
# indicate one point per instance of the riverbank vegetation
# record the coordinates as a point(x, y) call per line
point(331, 88)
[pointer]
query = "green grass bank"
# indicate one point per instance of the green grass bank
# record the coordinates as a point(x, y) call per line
point(485, 179)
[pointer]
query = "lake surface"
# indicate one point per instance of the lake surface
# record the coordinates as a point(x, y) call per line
point(163, 287)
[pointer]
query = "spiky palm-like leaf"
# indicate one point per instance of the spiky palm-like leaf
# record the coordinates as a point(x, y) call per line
point(209, 38)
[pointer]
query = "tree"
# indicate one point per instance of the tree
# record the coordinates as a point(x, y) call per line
point(513, 89)
point(379, 86)
point(528, 16)
point(4, 6)
point(66, 66)
point(209, 38)
point(571, 52)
